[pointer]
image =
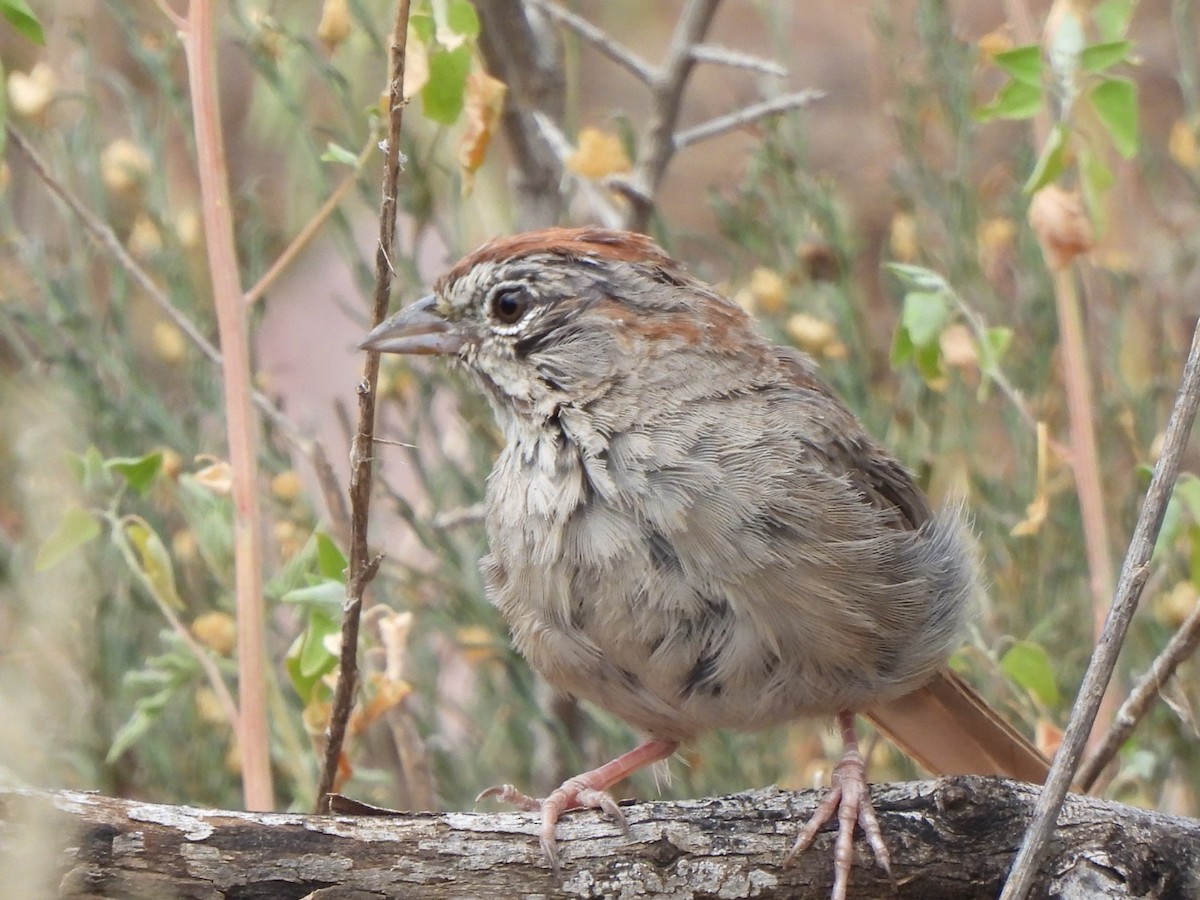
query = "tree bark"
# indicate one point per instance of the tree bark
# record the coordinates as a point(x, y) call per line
point(951, 838)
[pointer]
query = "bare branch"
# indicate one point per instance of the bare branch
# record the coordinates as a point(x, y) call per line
point(363, 565)
point(599, 39)
point(1134, 573)
point(1181, 646)
point(723, 56)
point(736, 119)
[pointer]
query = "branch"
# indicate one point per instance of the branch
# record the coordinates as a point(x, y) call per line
point(241, 425)
point(362, 565)
point(744, 116)
point(1133, 577)
point(949, 838)
point(1181, 646)
point(605, 44)
point(723, 56)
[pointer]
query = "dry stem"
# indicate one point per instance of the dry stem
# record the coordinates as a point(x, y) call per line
point(362, 566)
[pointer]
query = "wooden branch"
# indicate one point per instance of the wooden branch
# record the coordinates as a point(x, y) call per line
point(949, 838)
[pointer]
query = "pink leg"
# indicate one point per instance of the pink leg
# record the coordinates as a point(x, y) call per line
point(850, 797)
point(586, 791)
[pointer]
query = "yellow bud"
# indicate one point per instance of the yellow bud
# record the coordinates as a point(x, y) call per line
point(1173, 607)
point(184, 545)
point(217, 631)
point(29, 94)
point(335, 24)
point(996, 41)
point(811, 334)
point(172, 463)
point(168, 341)
point(144, 239)
point(187, 229)
point(209, 708)
point(1183, 145)
point(124, 166)
point(768, 289)
point(902, 240)
point(599, 154)
point(286, 485)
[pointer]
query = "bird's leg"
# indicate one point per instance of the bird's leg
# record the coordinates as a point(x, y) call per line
point(850, 798)
point(586, 791)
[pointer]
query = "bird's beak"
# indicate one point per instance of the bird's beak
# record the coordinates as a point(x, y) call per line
point(415, 329)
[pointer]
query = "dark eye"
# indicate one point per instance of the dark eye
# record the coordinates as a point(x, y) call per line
point(509, 304)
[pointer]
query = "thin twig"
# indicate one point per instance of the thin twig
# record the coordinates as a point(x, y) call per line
point(363, 566)
point(658, 142)
point(313, 225)
point(241, 424)
point(723, 56)
point(618, 53)
point(1134, 573)
point(1181, 646)
point(736, 119)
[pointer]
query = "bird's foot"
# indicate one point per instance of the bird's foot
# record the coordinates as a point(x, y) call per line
point(849, 798)
point(586, 791)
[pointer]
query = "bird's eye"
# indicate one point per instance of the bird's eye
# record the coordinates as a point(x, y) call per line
point(509, 305)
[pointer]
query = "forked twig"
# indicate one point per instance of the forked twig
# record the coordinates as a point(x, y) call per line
point(1134, 572)
point(363, 566)
point(745, 116)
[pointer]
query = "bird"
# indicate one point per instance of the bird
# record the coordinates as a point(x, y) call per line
point(687, 528)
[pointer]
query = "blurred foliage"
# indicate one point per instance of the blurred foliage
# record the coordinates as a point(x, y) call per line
point(112, 511)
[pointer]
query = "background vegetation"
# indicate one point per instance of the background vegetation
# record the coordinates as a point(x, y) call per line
point(117, 612)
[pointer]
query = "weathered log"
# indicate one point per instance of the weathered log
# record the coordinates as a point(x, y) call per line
point(951, 838)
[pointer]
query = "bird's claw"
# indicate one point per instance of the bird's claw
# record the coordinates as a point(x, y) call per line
point(849, 798)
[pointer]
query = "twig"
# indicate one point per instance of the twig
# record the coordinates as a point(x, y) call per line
point(658, 142)
point(1134, 573)
point(608, 46)
point(310, 229)
point(362, 566)
point(744, 116)
point(241, 425)
point(723, 56)
point(1181, 646)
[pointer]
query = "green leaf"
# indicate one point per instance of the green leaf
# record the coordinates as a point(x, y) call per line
point(154, 560)
point(918, 278)
point(1016, 100)
point(139, 471)
point(1099, 57)
point(21, 17)
point(322, 594)
point(924, 316)
point(442, 96)
point(1115, 102)
point(1028, 665)
point(422, 26)
point(309, 658)
point(462, 18)
point(902, 347)
point(331, 563)
point(996, 341)
point(1051, 161)
point(339, 154)
point(1112, 18)
point(928, 360)
point(75, 528)
point(89, 467)
point(1024, 64)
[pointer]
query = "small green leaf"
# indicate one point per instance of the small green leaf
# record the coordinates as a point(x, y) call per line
point(322, 594)
point(1051, 161)
point(1029, 666)
point(442, 96)
point(918, 278)
point(338, 154)
point(1112, 18)
point(154, 560)
point(21, 17)
point(1016, 100)
point(422, 26)
point(89, 467)
point(76, 528)
point(309, 658)
point(331, 563)
point(902, 347)
point(1099, 57)
point(1024, 64)
point(924, 316)
point(1115, 102)
point(996, 341)
point(139, 471)
point(462, 18)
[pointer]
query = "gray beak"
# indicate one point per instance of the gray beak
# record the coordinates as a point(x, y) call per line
point(415, 329)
